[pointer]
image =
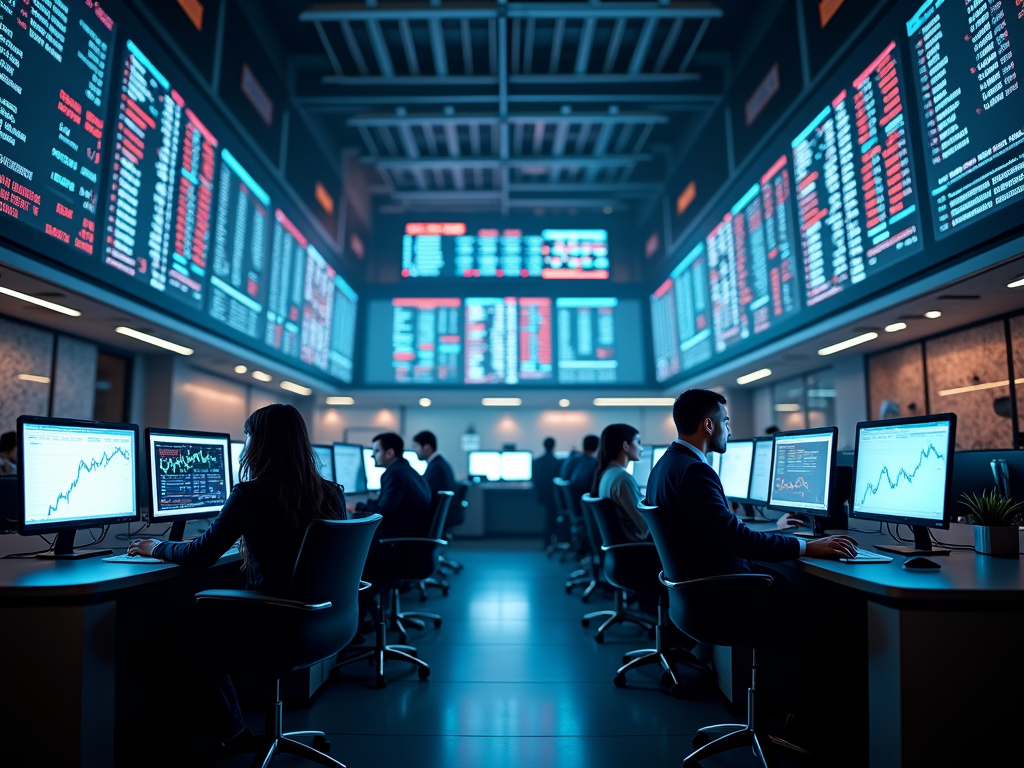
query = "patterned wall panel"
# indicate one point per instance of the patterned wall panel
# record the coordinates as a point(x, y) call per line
point(957, 363)
point(74, 381)
point(897, 375)
point(24, 350)
point(1017, 340)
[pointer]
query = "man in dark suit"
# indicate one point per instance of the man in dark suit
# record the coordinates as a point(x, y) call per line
point(439, 473)
point(716, 542)
point(581, 474)
point(545, 470)
point(404, 499)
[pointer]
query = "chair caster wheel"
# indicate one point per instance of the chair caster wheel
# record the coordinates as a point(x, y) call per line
point(423, 597)
point(320, 744)
point(444, 592)
point(619, 681)
point(424, 673)
point(585, 598)
point(585, 622)
point(700, 740)
point(599, 639)
point(676, 691)
point(666, 680)
point(568, 589)
point(437, 623)
point(382, 682)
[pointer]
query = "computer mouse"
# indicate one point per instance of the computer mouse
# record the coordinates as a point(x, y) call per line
point(920, 564)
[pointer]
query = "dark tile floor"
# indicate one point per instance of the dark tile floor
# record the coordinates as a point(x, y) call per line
point(515, 681)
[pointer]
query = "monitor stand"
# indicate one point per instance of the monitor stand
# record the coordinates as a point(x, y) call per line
point(64, 548)
point(922, 545)
point(177, 531)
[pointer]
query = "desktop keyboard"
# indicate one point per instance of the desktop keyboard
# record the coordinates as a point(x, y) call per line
point(126, 558)
point(864, 556)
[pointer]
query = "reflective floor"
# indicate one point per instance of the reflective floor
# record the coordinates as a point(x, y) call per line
point(515, 681)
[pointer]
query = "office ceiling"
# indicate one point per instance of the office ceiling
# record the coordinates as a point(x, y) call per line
point(499, 106)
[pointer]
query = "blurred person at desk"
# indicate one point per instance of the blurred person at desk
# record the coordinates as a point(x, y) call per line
point(545, 469)
point(620, 444)
point(439, 473)
point(404, 500)
point(9, 453)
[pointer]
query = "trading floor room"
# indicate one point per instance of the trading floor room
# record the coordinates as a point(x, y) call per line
point(572, 384)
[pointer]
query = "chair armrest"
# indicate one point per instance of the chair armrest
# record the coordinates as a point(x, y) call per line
point(255, 598)
point(629, 545)
point(748, 578)
point(440, 542)
point(364, 585)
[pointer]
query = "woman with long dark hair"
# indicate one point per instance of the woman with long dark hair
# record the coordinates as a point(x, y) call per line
point(620, 444)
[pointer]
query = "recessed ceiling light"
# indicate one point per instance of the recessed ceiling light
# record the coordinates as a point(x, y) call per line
point(156, 341)
point(862, 339)
point(425, 402)
point(40, 302)
point(261, 376)
point(787, 407)
point(240, 369)
point(339, 400)
point(630, 401)
point(298, 389)
point(893, 327)
point(502, 401)
point(34, 378)
point(933, 315)
point(564, 403)
point(1018, 283)
point(763, 373)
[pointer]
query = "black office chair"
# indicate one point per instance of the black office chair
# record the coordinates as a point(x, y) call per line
point(396, 562)
point(438, 512)
point(579, 546)
point(456, 517)
point(732, 610)
point(563, 518)
point(315, 620)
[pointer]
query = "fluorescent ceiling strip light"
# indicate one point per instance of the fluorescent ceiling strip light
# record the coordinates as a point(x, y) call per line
point(628, 401)
point(261, 376)
point(501, 401)
point(40, 302)
point(893, 327)
point(978, 387)
point(787, 407)
point(763, 373)
point(336, 400)
point(862, 339)
point(32, 377)
point(156, 341)
point(298, 389)
point(1018, 283)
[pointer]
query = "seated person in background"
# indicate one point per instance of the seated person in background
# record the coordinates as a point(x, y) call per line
point(620, 444)
point(545, 470)
point(9, 453)
point(404, 499)
point(439, 473)
point(581, 478)
point(717, 542)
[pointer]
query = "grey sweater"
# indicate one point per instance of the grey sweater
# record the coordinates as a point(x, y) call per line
point(619, 486)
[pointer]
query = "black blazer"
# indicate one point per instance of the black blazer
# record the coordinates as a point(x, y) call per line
point(581, 480)
point(545, 470)
point(439, 475)
point(714, 541)
point(404, 502)
point(253, 510)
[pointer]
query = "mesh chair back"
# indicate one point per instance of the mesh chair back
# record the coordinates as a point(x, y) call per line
point(730, 610)
point(665, 529)
point(562, 498)
point(606, 516)
point(439, 513)
point(457, 509)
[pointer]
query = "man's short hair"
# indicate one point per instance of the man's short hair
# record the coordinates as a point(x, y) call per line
point(8, 441)
point(389, 440)
point(425, 438)
point(590, 443)
point(693, 406)
point(549, 444)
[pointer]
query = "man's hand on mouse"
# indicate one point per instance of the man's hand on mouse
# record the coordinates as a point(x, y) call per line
point(832, 547)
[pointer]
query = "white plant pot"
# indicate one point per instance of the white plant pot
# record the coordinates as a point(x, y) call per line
point(997, 540)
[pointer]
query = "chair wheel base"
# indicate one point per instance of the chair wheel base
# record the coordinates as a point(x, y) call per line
point(619, 681)
point(599, 639)
point(700, 740)
point(676, 691)
point(585, 622)
point(424, 672)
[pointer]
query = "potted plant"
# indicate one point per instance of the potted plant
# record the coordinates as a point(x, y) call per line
point(995, 532)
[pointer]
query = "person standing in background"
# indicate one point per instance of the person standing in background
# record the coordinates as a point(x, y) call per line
point(545, 470)
point(582, 476)
point(9, 453)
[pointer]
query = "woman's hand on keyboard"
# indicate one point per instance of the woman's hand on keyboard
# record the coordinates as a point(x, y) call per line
point(832, 547)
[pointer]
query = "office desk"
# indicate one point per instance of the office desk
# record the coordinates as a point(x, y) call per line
point(65, 627)
point(944, 678)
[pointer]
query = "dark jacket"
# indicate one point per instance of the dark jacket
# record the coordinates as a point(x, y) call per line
point(439, 475)
point(716, 542)
point(545, 470)
point(565, 472)
point(582, 478)
point(404, 502)
point(253, 510)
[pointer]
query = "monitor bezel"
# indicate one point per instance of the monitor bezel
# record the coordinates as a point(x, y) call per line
point(154, 518)
point(738, 499)
point(361, 484)
point(32, 529)
point(940, 525)
point(329, 448)
point(831, 471)
point(771, 457)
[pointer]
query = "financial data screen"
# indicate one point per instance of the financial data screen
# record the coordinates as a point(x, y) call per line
point(348, 467)
point(77, 473)
point(761, 471)
point(486, 464)
point(55, 67)
point(735, 468)
point(415, 341)
point(802, 471)
point(681, 317)
point(596, 341)
point(452, 249)
point(901, 470)
point(188, 474)
point(508, 340)
point(324, 455)
point(516, 466)
point(966, 57)
point(855, 191)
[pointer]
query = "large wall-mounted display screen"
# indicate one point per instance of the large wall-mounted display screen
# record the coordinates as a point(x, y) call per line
point(505, 340)
point(189, 222)
point(452, 249)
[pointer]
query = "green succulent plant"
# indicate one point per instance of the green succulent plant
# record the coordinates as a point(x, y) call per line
point(990, 508)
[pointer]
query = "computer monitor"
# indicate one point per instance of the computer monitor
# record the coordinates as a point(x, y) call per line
point(236, 460)
point(902, 473)
point(324, 461)
point(372, 472)
point(189, 476)
point(715, 460)
point(761, 470)
point(803, 471)
point(562, 455)
point(348, 467)
point(657, 452)
point(76, 474)
point(641, 470)
point(516, 466)
point(735, 468)
point(485, 464)
point(415, 461)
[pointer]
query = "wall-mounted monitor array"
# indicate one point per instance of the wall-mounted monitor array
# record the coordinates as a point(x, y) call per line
point(834, 206)
point(454, 249)
point(119, 168)
point(504, 341)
